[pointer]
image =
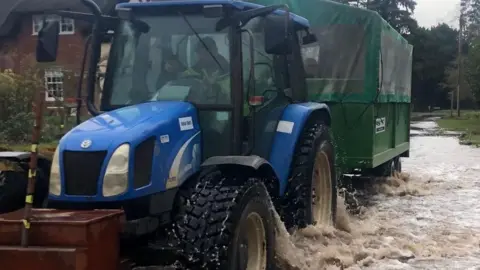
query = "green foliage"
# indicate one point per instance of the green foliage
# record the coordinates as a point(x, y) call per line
point(468, 123)
point(472, 68)
point(396, 12)
point(16, 97)
point(471, 11)
point(434, 52)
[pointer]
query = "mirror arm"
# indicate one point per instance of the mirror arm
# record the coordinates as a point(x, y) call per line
point(93, 56)
point(251, 85)
point(244, 17)
point(80, 83)
point(93, 7)
point(81, 16)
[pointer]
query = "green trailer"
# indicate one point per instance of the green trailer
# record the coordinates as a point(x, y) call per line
point(361, 67)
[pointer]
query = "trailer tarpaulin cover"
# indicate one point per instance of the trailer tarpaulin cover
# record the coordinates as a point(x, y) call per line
point(359, 57)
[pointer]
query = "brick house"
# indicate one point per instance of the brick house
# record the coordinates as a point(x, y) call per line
point(20, 23)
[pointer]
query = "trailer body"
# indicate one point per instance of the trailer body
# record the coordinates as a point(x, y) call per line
point(363, 72)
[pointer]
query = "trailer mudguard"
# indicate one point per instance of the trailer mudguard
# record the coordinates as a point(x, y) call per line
point(288, 132)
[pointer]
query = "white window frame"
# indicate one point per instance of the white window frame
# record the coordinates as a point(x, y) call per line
point(54, 77)
point(37, 20)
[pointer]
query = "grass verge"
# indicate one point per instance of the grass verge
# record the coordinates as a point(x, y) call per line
point(468, 123)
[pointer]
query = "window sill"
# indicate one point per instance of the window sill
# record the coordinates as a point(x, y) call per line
point(61, 34)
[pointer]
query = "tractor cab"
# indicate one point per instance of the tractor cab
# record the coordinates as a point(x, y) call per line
point(238, 63)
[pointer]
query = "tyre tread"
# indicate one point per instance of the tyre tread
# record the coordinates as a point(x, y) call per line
point(295, 206)
point(206, 227)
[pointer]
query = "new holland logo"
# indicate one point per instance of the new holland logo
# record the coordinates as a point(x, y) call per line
point(86, 144)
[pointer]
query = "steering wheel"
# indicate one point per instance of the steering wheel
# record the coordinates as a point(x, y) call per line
point(190, 74)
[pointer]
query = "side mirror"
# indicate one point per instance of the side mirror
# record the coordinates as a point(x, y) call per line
point(277, 35)
point(47, 44)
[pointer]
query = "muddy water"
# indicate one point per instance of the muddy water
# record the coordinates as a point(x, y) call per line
point(426, 218)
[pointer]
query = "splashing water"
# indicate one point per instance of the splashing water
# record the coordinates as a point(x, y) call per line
point(423, 219)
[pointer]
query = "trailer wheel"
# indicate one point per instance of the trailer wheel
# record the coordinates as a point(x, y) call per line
point(311, 196)
point(226, 227)
point(388, 168)
point(397, 164)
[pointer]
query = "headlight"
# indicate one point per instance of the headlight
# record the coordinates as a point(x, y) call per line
point(55, 186)
point(115, 180)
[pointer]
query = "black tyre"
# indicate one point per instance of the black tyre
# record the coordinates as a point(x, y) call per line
point(227, 227)
point(12, 191)
point(13, 188)
point(311, 196)
point(388, 168)
point(397, 164)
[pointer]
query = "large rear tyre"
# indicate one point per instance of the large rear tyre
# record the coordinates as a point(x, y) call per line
point(227, 226)
point(311, 196)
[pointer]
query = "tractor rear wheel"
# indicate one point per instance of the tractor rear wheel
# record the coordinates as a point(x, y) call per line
point(227, 226)
point(311, 196)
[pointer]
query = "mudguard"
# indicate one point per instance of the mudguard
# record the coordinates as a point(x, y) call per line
point(288, 132)
point(259, 165)
point(254, 162)
point(20, 157)
point(289, 129)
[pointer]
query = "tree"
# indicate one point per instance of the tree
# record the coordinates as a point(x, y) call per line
point(434, 51)
point(472, 68)
point(471, 14)
point(397, 13)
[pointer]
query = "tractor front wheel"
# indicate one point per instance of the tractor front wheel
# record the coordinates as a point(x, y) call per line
point(227, 226)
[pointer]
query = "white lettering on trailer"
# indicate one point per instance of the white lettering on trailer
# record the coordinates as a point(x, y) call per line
point(186, 123)
point(165, 138)
point(285, 127)
point(380, 124)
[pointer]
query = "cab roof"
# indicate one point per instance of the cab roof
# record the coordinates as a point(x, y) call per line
point(240, 5)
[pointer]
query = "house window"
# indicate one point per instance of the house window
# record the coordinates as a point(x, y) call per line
point(67, 25)
point(54, 85)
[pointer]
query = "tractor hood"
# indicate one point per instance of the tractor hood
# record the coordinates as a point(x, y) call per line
point(127, 125)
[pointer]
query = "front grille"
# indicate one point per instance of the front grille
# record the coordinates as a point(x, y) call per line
point(143, 163)
point(81, 171)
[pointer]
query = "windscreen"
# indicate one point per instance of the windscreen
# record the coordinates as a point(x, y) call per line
point(177, 57)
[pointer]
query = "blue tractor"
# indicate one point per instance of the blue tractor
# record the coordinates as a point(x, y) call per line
point(202, 130)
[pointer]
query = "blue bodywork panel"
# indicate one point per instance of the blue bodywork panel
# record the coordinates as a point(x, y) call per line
point(177, 144)
point(240, 5)
point(288, 132)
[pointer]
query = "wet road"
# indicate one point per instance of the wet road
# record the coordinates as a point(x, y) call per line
point(426, 218)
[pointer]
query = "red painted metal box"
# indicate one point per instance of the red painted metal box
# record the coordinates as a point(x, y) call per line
point(61, 240)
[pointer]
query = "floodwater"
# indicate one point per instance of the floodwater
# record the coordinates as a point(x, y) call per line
point(426, 218)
